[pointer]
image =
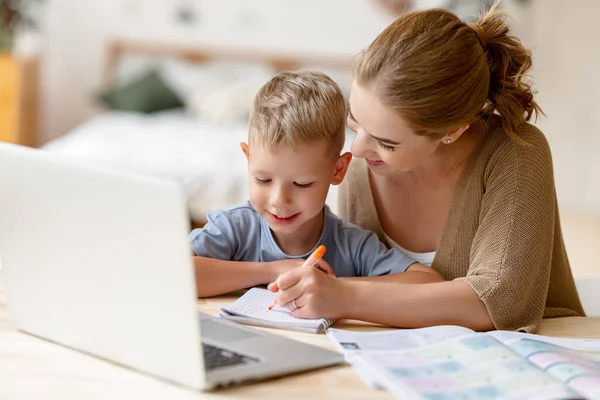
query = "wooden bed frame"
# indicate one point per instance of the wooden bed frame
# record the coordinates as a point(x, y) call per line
point(279, 61)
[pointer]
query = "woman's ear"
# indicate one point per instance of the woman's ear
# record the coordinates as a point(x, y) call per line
point(454, 135)
point(245, 149)
point(341, 167)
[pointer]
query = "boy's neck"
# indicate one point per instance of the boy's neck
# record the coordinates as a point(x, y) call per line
point(304, 239)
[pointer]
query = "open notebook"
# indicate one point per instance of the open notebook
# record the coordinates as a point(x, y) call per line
point(252, 309)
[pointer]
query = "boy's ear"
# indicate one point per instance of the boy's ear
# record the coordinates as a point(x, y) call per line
point(341, 167)
point(245, 149)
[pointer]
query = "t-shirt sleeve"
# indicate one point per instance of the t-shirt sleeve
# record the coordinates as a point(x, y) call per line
point(217, 239)
point(511, 254)
point(372, 258)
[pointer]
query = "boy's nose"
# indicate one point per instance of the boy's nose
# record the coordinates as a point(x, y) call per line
point(280, 199)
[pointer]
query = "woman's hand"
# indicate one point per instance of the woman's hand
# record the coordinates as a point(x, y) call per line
point(277, 268)
point(311, 293)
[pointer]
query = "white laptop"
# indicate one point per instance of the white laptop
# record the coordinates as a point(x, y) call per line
point(99, 261)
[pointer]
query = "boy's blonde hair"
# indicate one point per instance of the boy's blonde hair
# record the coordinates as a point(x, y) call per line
point(299, 107)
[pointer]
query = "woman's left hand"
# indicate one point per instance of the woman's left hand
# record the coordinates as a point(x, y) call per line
point(310, 293)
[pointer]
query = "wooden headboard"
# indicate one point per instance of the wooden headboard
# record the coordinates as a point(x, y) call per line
point(277, 60)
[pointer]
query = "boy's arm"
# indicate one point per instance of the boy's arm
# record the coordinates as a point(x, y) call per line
point(215, 277)
point(213, 248)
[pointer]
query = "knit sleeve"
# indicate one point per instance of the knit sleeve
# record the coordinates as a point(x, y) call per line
point(510, 258)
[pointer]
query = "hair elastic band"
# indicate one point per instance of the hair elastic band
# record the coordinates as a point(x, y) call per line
point(481, 35)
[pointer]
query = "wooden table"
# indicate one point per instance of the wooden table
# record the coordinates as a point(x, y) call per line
point(31, 368)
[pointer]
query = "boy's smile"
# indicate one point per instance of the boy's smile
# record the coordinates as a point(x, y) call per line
point(283, 220)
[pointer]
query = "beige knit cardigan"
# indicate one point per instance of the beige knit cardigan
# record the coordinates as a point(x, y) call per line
point(503, 234)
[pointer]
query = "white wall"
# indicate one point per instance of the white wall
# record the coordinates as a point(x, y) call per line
point(77, 32)
point(567, 69)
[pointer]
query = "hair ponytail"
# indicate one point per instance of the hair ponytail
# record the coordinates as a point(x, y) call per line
point(509, 61)
point(441, 74)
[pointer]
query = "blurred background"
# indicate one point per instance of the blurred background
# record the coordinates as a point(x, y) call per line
point(63, 47)
point(164, 86)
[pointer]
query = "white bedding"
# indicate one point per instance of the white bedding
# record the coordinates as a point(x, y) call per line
point(204, 158)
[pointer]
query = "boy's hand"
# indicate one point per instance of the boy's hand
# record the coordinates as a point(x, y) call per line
point(324, 266)
point(277, 268)
point(288, 265)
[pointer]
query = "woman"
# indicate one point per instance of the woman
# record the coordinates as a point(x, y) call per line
point(448, 168)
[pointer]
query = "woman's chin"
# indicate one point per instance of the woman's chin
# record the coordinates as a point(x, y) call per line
point(380, 169)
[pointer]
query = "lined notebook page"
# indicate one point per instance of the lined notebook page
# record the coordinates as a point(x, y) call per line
point(255, 304)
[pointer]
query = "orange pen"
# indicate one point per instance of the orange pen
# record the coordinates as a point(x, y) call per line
point(316, 255)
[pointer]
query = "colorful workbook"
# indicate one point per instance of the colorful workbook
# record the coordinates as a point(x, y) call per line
point(253, 309)
point(456, 363)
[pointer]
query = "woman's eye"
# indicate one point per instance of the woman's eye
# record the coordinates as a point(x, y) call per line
point(262, 181)
point(385, 146)
point(303, 185)
point(350, 119)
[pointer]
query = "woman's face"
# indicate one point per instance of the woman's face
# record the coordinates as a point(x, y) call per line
point(383, 137)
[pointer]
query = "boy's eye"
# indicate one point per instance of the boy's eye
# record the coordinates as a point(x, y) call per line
point(262, 181)
point(385, 146)
point(303, 185)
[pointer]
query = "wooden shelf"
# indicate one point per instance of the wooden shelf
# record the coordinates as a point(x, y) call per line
point(19, 99)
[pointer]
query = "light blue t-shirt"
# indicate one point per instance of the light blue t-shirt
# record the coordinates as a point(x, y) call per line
point(241, 234)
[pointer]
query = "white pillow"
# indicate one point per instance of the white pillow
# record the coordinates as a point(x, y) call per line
point(187, 77)
point(218, 92)
point(227, 103)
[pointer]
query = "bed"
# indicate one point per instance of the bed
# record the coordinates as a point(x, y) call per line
point(196, 145)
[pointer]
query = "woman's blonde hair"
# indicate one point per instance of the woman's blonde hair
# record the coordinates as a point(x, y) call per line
point(440, 73)
point(298, 107)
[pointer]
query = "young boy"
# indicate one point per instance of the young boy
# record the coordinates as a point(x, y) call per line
point(297, 131)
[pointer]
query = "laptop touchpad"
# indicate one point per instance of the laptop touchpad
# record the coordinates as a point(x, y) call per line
point(223, 332)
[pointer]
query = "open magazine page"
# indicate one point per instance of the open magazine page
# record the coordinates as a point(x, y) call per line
point(579, 369)
point(575, 344)
point(352, 342)
point(469, 367)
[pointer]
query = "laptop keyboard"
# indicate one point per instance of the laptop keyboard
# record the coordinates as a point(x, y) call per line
point(217, 357)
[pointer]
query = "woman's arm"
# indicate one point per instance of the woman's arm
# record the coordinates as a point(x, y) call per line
point(375, 296)
point(416, 273)
point(416, 305)
point(394, 300)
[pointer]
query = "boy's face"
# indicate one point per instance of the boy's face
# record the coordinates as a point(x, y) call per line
point(288, 186)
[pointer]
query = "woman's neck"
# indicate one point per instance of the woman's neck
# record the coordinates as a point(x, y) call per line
point(449, 160)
